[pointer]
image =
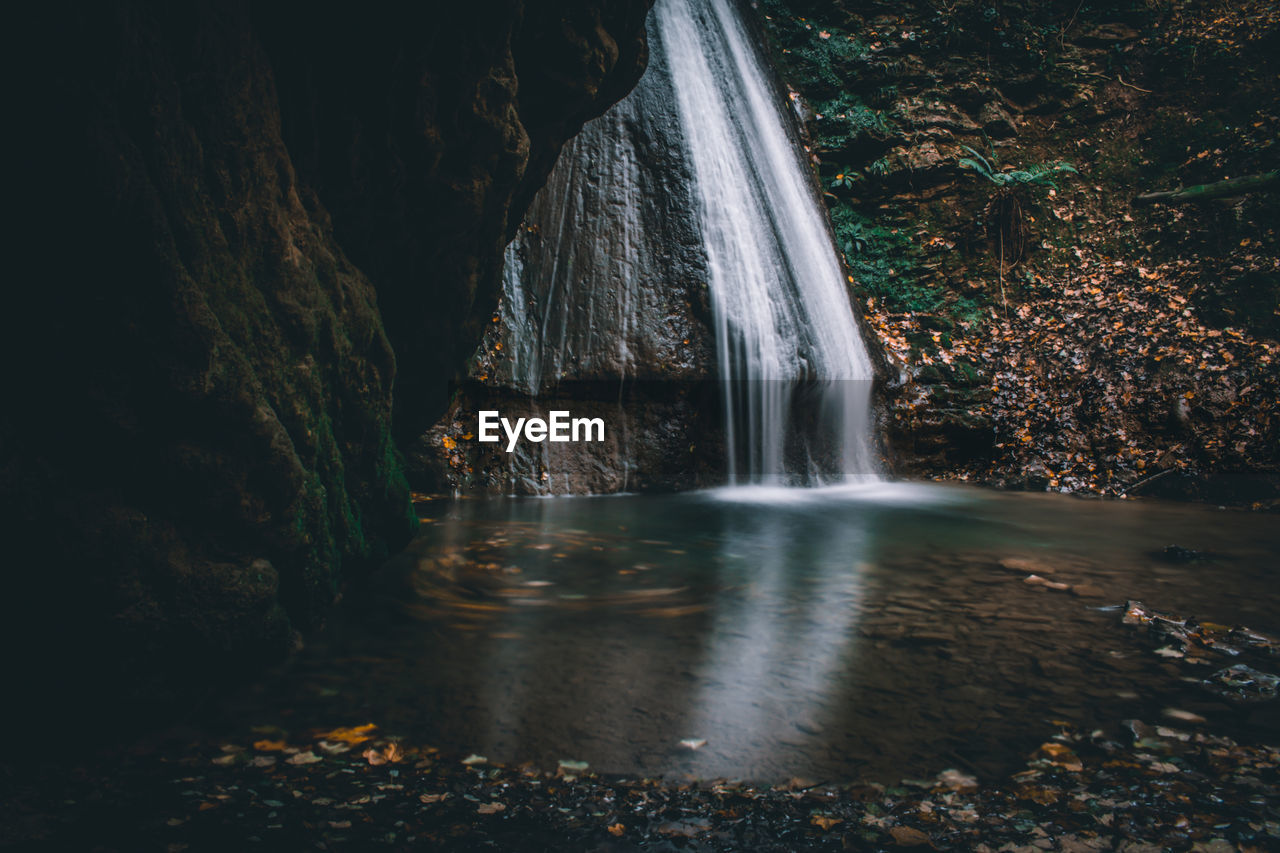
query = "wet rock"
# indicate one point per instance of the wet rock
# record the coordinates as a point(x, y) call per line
point(1179, 554)
point(930, 114)
point(1243, 683)
point(997, 122)
point(584, 328)
point(1036, 476)
point(922, 161)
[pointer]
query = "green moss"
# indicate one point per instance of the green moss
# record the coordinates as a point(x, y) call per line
point(811, 53)
point(389, 473)
point(965, 373)
point(825, 62)
point(844, 120)
point(882, 261)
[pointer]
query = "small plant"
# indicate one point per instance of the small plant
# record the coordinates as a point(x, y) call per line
point(841, 121)
point(1039, 175)
point(880, 167)
point(855, 240)
point(846, 178)
point(1005, 222)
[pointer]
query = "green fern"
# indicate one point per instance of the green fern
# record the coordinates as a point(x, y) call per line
point(1039, 175)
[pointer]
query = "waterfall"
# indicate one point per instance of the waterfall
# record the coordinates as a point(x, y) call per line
point(696, 176)
point(781, 307)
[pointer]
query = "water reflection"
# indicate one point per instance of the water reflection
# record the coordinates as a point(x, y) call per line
point(780, 638)
point(857, 631)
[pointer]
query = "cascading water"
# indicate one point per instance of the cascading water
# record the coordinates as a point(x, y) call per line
point(696, 176)
point(782, 311)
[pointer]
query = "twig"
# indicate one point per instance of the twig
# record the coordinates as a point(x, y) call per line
point(1143, 482)
point(1117, 79)
point(1062, 35)
point(1120, 80)
point(1003, 299)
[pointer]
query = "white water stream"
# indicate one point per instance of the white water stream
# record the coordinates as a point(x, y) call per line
point(781, 307)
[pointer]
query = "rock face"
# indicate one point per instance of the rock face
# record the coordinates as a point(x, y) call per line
point(605, 313)
point(608, 292)
point(242, 227)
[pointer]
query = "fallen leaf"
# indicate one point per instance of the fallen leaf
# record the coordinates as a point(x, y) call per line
point(1060, 755)
point(269, 745)
point(354, 735)
point(1039, 794)
point(906, 836)
point(1184, 716)
point(954, 780)
point(334, 748)
point(388, 755)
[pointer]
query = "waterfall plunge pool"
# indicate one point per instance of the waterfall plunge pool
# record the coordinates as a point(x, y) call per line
point(869, 632)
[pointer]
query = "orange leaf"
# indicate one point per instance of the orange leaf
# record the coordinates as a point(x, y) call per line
point(390, 755)
point(269, 745)
point(354, 735)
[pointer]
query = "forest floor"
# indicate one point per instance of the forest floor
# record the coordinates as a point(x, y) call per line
point(353, 789)
point(1164, 784)
point(1041, 331)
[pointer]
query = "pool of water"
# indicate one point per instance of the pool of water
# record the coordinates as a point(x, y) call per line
point(865, 632)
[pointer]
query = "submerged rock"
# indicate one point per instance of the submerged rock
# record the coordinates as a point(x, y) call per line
point(1243, 683)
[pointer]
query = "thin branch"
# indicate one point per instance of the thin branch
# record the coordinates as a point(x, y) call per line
point(1120, 80)
point(1145, 480)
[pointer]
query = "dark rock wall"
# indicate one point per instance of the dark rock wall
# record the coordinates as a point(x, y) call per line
point(241, 227)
